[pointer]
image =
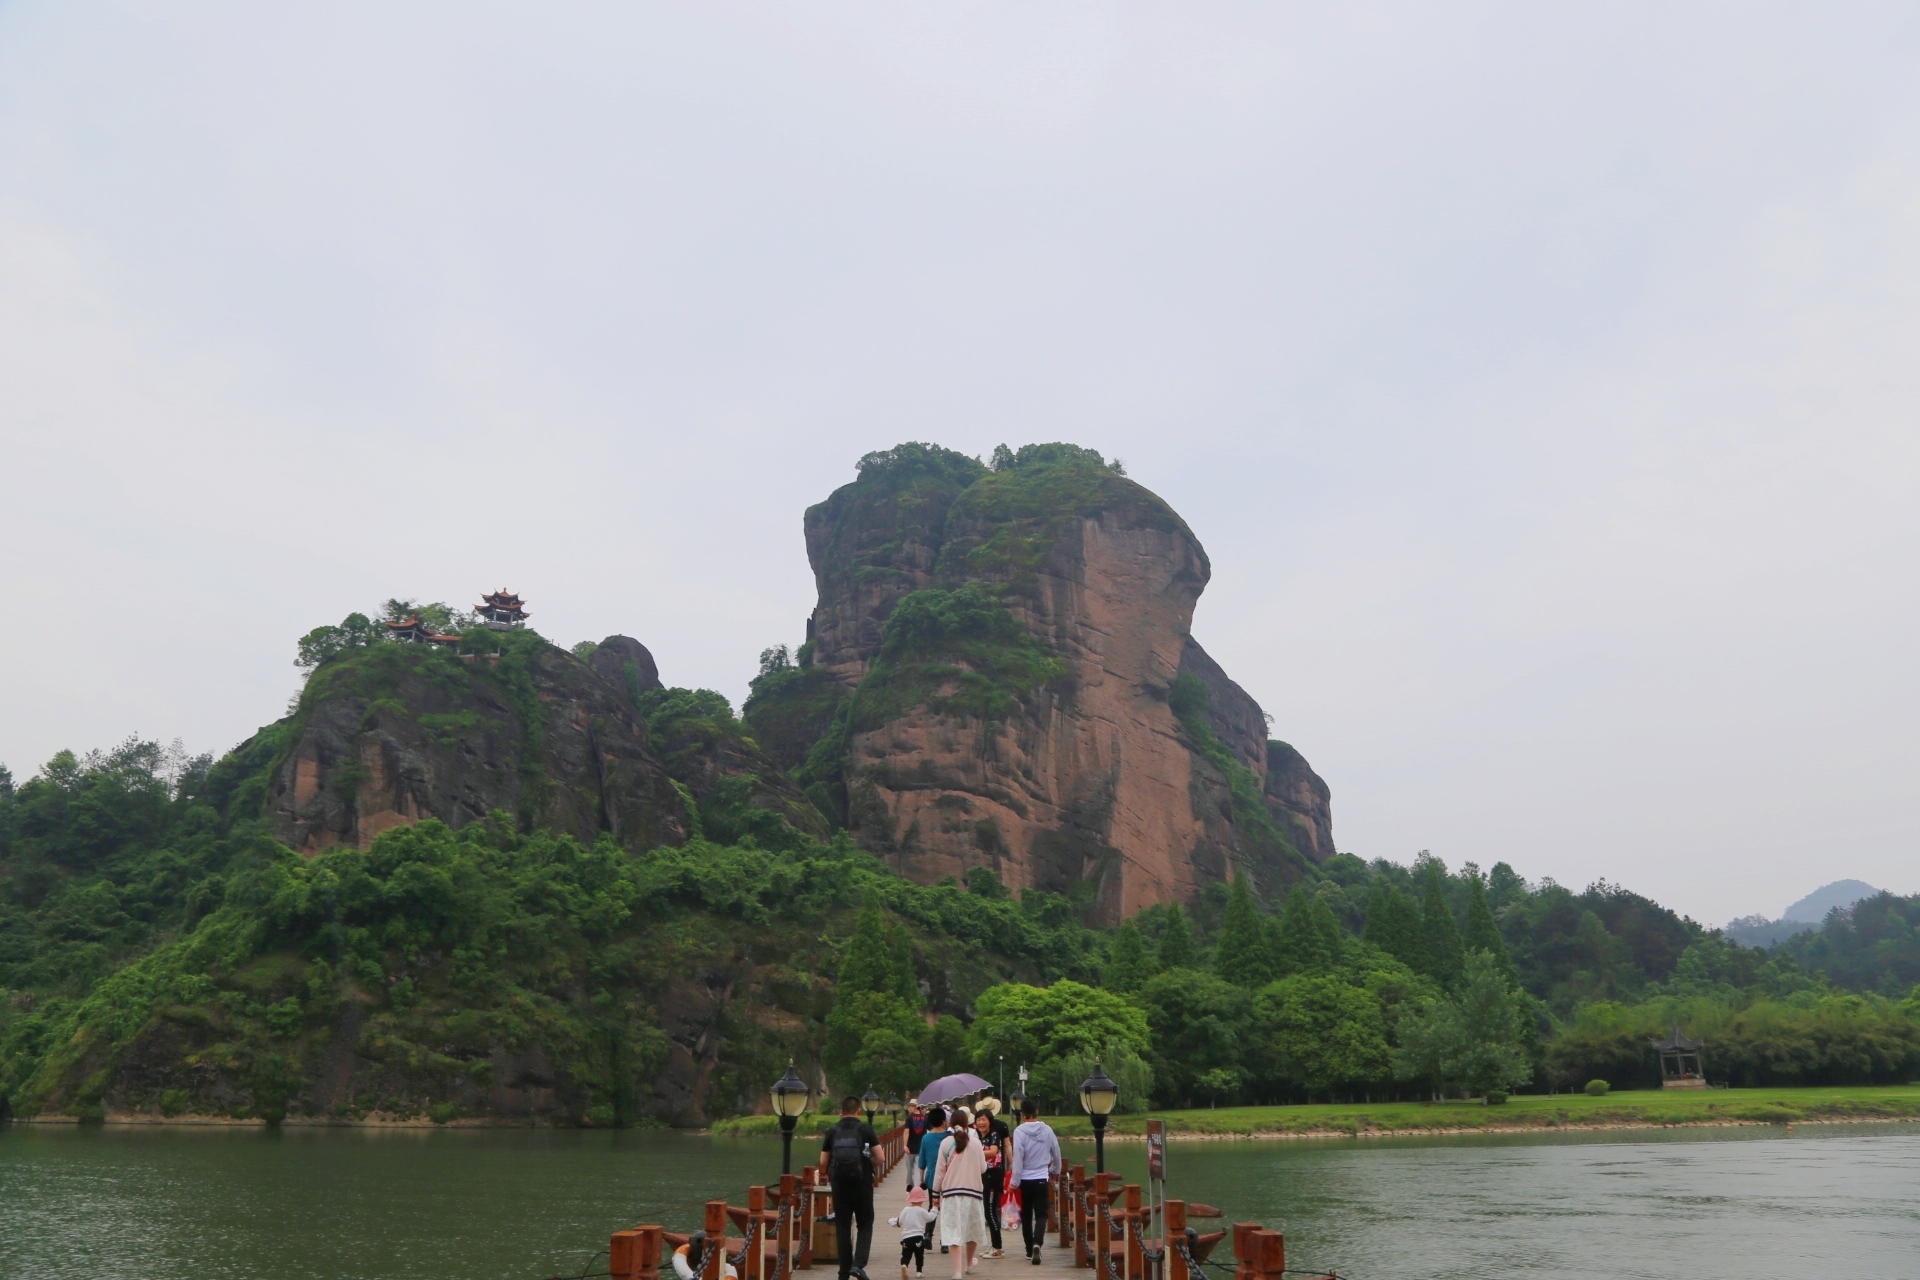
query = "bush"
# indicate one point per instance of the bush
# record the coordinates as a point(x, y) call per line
point(1496, 1097)
point(1596, 1088)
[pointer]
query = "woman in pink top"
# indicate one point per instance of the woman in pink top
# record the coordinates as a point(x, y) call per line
point(963, 1219)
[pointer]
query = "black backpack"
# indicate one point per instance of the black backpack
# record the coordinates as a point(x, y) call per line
point(847, 1156)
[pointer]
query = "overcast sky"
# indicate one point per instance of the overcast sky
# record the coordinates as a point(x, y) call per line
point(1544, 383)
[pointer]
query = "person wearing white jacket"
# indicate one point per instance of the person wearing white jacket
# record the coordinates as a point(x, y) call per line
point(1036, 1159)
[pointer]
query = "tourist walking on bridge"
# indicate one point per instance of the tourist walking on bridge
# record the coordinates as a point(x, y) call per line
point(993, 1136)
point(963, 1222)
point(931, 1142)
point(1036, 1159)
point(846, 1160)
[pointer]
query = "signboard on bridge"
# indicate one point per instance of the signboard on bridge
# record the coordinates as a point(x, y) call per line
point(1157, 1150)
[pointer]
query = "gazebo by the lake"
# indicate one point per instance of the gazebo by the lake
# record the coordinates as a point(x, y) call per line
point(1680, 1061)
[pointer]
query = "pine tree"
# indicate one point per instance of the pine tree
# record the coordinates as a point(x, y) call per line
point(1378, 926)
point(1128, 964)
point(1176, 941)
point(1482, 934)
point(1303, 945)
point(1441, 952)
point(1393, 924)
point(1241, 956)
point(877, 959)
point(1333, 939)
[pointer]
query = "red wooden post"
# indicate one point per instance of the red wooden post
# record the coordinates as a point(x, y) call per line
point(753, 1263)
point(623, 1250)
point(1243, 1251)
point(1269, 1253)
point(806, 1215)
point(1133, 1225)
point(716, 1228)
point(1079, 1205)
point(1173, 1230)
point(1102, 1238)
point(790, 1206)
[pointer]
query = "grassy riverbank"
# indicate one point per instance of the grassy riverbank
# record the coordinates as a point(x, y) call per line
point(1627, 1109)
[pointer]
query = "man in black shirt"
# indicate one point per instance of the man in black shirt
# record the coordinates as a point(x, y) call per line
point(845, 1160)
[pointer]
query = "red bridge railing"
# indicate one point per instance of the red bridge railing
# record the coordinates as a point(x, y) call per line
point(1102, 1222)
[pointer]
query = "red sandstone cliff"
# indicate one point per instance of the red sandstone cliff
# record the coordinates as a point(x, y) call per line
point(1096, 780)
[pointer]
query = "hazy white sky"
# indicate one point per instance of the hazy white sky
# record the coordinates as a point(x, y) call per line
point(1542, 381)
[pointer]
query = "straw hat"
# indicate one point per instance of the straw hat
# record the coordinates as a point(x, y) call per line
point(990, 1105)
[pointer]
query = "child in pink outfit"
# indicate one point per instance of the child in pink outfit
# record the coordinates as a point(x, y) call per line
point(916, 1227)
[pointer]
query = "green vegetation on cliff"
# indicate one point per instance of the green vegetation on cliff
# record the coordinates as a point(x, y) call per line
point(957, 653)
point(1002, 527)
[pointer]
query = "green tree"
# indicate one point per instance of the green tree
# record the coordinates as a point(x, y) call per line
point(875, 1037)
point(1043, 1026)
point(1128, 965)
point(1241, 955)
point(1476, 1037)
point(1321, 1033)
point(1393, 923)
point(1481, 933)
point(1199, 1023)
point(1176, 941)
point(1490, 1050)
point(1309, 935)
point(1439, 935)
point(1428, 1035)
point(876, 958)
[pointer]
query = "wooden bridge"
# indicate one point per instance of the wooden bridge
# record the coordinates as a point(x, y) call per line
point(1105, 1227)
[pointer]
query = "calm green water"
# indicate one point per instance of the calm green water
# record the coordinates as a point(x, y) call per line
point(183, 1204)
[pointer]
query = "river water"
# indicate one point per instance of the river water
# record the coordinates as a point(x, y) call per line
point(500, 1204)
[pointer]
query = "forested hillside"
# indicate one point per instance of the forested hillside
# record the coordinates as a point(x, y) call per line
point(159, 952)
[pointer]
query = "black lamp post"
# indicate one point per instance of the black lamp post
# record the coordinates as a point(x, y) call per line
point(1019, 1099)
point(893, 1110)
point(870, 1103)
point(789, 1100)
point(1097, 1097)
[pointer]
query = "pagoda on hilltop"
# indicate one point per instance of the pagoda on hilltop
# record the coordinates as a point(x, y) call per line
point(414, 630)
point(502, 609)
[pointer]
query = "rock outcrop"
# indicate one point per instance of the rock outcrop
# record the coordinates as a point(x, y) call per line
point(393, 734)
point(1088, 746)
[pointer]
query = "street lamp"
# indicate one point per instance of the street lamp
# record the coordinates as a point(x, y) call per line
point(893, 1110)
point(1097, 1096)
point(1019, 1099)
point(870, 1103)
point(789, 1100)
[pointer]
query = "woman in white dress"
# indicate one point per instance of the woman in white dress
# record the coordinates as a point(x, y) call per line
point(957, 1181)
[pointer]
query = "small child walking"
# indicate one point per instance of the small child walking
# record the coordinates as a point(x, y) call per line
point(916, 1228)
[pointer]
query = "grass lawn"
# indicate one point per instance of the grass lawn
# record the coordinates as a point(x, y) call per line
point(1643, 1107)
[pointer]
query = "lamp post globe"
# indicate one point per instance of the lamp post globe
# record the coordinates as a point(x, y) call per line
point(790, 1094)
point(1098, 1095)
point(870, 1103)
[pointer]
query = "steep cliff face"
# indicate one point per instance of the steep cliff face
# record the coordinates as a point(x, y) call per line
point(393, 734)
point(875, 541)
point(1025, 710)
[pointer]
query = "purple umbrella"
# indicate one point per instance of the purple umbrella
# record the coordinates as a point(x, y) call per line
point(947, 1088)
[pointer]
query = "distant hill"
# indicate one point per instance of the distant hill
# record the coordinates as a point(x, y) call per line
point(1841, 893)
point(1802, 917)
